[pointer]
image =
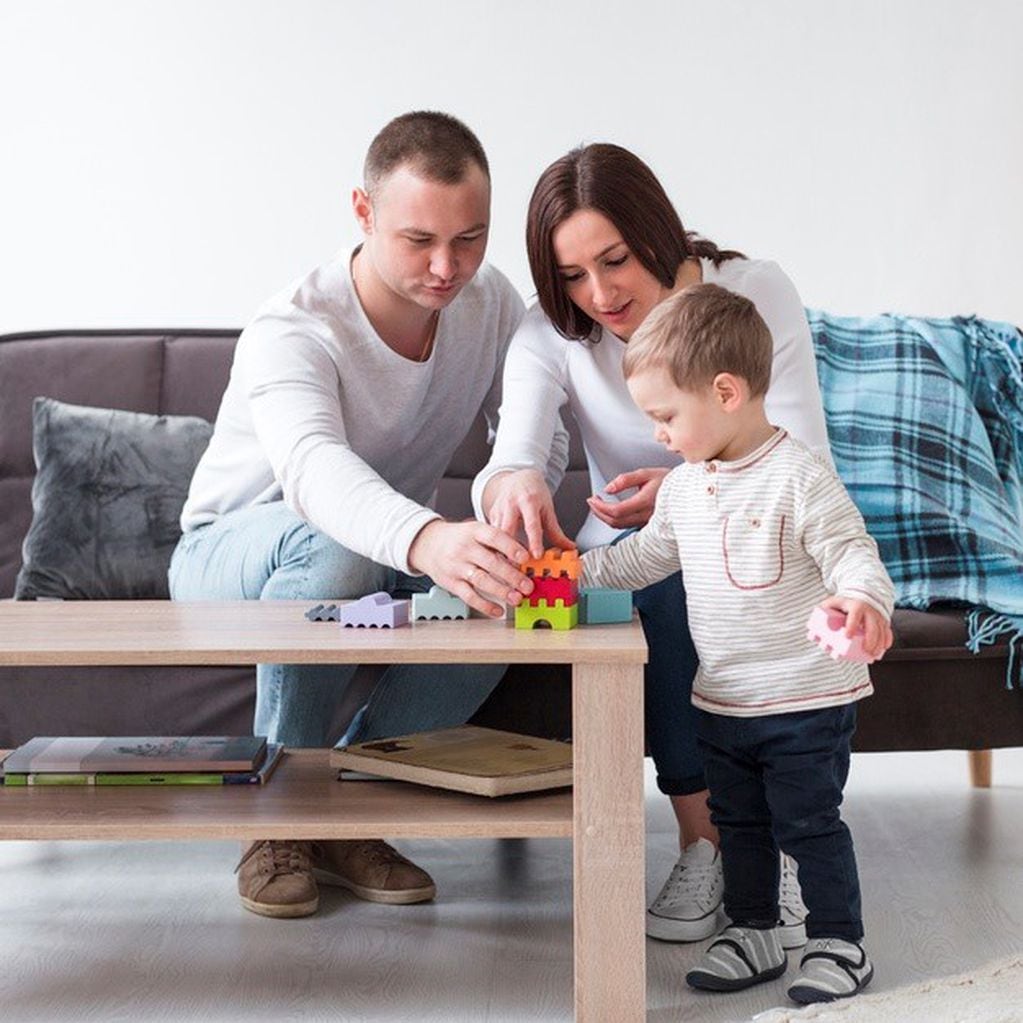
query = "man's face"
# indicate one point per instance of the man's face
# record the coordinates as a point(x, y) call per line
point(424, 239)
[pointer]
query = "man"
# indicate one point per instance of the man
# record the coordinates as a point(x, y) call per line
point(348, 395)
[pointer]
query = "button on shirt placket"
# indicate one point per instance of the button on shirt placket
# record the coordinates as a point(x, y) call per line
point(711, 487)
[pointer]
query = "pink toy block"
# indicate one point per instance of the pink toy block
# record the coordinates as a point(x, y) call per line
point(826, 628)
point(551, 589)
point(376, 611)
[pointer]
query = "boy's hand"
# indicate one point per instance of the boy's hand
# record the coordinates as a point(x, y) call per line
point(877, 632)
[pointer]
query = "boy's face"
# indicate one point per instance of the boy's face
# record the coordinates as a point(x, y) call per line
point(694, 424)
point(425, 239)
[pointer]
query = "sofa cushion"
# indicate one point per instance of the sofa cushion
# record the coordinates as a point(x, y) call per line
point(106, 500)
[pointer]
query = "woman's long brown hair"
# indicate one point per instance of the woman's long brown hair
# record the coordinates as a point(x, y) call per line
point(612, 181)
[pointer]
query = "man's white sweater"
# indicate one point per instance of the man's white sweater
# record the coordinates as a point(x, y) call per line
point(321, 413)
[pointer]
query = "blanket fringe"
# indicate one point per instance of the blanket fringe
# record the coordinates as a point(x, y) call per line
point(985, 626)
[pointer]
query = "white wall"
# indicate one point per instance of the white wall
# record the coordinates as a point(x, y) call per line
point(175, 163)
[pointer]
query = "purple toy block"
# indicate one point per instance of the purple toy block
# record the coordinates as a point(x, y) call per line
point(826, 628)
point(376, 611)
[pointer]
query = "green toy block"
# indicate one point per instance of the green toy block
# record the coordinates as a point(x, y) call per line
point(603, 607)
point(558, 617)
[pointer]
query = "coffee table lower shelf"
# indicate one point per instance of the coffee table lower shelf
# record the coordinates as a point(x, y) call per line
point(302, 800)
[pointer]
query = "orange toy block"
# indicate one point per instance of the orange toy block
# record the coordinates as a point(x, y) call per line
point(555, 562)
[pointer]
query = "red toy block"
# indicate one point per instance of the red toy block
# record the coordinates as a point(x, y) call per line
point(555, 562)
point(826, 628)
point(551, 589)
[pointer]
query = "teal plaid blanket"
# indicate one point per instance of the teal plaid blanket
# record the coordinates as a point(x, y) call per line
point(925, 419)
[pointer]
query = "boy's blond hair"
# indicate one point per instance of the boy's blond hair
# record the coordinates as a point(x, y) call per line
point(699, 332)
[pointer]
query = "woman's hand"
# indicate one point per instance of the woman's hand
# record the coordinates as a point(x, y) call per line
point(520, 501)
point(635, 510)
point(470, 560)
point(877, 630)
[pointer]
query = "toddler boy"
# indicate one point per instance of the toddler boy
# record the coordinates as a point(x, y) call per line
point(764, 531)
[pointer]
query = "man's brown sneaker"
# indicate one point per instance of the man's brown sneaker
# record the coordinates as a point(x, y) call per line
point(373, 870)
point(275, 879)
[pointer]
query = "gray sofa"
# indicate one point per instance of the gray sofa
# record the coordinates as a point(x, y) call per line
point(931, 693)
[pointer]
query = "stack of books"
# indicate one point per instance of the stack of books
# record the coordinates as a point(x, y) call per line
point(142, 760)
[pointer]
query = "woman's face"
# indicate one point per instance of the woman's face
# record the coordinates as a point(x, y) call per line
point(602, 276)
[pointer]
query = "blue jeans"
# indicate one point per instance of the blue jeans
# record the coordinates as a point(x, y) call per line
point(668, 686)
point(267, 552)
point(776, 781)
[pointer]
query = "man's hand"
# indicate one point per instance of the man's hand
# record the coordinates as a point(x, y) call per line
point(877, 631)
point(635, 510)
point(520, 501)
point(470, 559)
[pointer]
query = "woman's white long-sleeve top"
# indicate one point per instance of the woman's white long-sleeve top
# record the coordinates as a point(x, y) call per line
point(545, 371)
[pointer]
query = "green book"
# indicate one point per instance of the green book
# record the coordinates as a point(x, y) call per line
point(155, 755)
point(24, 779)
point(15, 780)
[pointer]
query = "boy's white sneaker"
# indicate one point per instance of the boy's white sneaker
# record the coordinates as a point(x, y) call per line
point(791, 909)
point(831, 968)
point(686, 909)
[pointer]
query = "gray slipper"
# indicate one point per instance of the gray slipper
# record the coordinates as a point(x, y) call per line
point(739, 958)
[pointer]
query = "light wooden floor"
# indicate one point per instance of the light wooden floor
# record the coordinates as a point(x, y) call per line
point(95, 931)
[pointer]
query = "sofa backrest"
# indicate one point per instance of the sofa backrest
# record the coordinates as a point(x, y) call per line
point(165, 372)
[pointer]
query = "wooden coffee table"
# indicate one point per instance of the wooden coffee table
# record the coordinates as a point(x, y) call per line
point(603, 814)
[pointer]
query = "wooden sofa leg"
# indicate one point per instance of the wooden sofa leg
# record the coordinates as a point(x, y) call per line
point(980, 768)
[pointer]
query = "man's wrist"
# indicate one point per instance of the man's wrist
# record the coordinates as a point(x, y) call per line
point(418, 550)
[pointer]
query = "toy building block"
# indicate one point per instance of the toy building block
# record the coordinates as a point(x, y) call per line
point(826, 628)
point(552, 589)
point(324, 613)
point(603, 607)
point(438, 603)
point(555, 562)
point(558, 615)
point(376, 611)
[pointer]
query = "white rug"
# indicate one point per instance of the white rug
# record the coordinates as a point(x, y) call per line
point(990, 994)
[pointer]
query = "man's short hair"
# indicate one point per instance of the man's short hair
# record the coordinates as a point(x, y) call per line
point(699, 332)
point(435, 146)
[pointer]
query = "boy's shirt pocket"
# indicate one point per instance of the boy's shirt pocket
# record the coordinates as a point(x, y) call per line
point(753, 548)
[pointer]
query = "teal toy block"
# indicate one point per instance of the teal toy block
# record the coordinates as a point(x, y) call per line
point(438, 603)
point(604, 607)
point(558, 616)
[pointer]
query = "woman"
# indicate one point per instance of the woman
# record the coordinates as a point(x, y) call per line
point(606, 245)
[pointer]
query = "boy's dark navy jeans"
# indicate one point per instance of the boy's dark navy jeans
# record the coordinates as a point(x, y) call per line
point(776, 781)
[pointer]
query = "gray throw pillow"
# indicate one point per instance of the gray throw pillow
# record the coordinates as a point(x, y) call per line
point(106, 500)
